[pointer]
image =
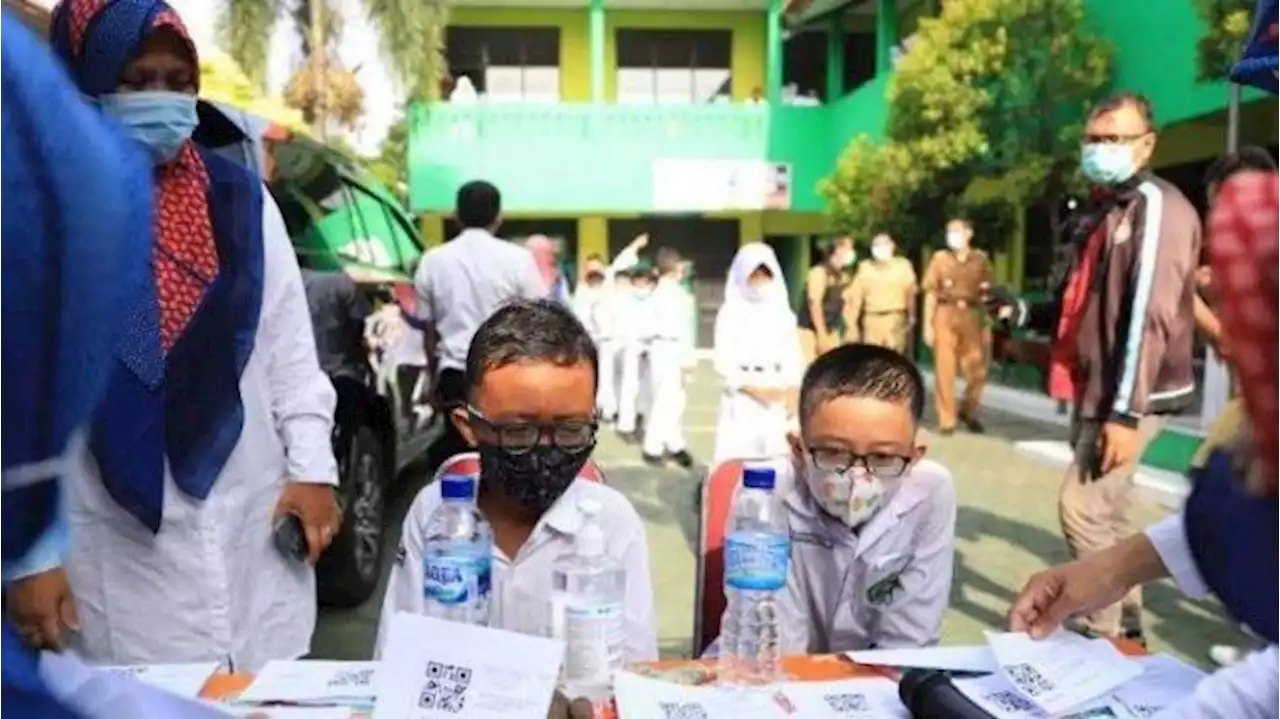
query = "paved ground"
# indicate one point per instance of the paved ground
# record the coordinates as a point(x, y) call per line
point(1007, 530)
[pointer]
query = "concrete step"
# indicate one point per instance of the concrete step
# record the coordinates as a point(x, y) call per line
point(1154, 485)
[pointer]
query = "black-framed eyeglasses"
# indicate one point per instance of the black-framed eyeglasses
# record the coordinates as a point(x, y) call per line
point(572, 435)
point(1114, 139)
point(881, 464)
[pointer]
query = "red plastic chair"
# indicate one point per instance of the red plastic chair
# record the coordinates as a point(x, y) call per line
point(709, 600)
point(469, 463)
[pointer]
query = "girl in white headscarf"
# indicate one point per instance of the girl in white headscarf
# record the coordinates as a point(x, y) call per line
point(758, 357)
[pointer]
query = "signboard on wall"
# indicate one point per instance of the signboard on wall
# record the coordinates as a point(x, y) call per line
point(701, 185)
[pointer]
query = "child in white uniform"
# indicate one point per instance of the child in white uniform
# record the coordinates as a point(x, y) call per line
point(670, 352)
point(758, 357)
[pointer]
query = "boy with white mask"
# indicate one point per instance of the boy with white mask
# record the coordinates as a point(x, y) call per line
point(758, 358)
point(872, 522)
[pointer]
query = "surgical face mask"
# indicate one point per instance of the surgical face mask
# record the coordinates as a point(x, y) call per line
point(162, 121)
point(756, 293)
point(881, 252)
point(536, 478)
point(956, 240)
point(1107, 163)
point(853, 496)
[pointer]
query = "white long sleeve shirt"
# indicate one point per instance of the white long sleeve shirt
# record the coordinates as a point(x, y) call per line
point(1247, 690)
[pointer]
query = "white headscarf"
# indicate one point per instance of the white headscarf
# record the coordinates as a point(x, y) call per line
point(737, 289)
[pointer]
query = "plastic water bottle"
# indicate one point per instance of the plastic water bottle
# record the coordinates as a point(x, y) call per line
point(458, 566)
point(757, 554)
point(588, 591)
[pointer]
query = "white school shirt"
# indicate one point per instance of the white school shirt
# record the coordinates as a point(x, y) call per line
point(595, 306)
point(1247, 690)
point(210, 585)
point(522, 586)
point(887, 586)
point(668, 316)
point(464, 281)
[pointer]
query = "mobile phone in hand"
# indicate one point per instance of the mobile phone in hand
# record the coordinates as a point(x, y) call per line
point(289, 538)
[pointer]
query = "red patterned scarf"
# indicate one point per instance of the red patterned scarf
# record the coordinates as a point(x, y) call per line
point(185, 255)
point(1243, 252)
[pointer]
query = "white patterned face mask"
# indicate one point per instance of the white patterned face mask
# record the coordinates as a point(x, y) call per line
point(853, 496)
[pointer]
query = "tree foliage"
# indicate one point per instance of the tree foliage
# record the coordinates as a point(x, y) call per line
point(390, 166)
point(986, 107)
point(222, 80)
point(1227, 24)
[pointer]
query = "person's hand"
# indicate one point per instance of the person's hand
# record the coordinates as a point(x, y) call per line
point(562, 708)
point(1001, 303)
point(1119, 445)
point(1057, 593)
point(41, 607)
point(641, 241)
point(316, 506)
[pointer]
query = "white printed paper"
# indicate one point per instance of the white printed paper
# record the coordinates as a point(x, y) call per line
point(1063, 671)
point(999, 698)
point(313, 682)
point(294, 713)
point(434, 669)
point(870, 698)
point(185, 680)
point(1165, 681)
point(640, 697)
point(974, 658)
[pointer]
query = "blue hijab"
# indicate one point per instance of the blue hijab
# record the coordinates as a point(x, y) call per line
point(75, 226)
point(1260, 61)
point(179, 409)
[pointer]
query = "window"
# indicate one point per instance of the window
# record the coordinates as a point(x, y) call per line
point(661, 67)
point(507, 64)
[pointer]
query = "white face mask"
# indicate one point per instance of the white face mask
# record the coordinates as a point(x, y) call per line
point(853, 497)
point(956, 240)
point(881, 252)
point(756, 293)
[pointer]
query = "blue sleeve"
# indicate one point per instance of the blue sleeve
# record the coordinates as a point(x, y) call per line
point(49, 551)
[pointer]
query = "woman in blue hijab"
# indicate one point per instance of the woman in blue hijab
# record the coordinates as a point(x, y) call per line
point(216, 419)
point(75, 223)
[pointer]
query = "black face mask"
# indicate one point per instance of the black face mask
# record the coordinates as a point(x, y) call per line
point(535, 479)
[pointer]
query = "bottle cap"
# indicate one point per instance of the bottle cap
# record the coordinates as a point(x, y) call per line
point(758, 477)
point(590, 539)
point(457, 486)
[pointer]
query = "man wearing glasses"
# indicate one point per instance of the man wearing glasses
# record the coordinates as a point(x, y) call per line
point(530, 412)
point(1123, 327)
point(872, 523)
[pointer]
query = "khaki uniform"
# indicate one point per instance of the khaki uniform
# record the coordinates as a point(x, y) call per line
point(881, 302)
point(959, 329)
point(829, 288)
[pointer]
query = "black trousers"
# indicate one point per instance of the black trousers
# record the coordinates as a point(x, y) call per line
point(451, 392)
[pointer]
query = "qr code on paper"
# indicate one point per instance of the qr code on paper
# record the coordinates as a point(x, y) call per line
point(446, 688)
point(1028, 679)
point(682, 710)
point(847, 704)
point(1010, 701)
point(351, 679)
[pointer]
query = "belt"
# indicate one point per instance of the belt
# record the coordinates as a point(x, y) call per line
point(757, 368)
point(957, 303)
point(885, 312)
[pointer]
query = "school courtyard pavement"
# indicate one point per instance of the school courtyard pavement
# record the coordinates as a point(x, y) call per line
point(1007, 529)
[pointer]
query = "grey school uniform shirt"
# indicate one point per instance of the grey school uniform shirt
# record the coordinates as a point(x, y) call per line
point(885, 586)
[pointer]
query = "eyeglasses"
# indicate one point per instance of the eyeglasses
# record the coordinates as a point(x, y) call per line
point(520, 437)
point(1090, 139)
point(883, 465)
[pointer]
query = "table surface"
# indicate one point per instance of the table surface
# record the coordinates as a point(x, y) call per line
point(810, 668)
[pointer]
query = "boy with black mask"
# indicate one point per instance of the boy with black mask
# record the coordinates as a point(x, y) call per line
point(530, 413)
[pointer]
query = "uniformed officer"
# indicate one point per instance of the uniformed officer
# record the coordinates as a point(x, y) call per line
point(882, 299)
point(955, 285)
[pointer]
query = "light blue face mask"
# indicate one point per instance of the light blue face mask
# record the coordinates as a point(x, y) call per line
point(1107, 163)
point(160, 120)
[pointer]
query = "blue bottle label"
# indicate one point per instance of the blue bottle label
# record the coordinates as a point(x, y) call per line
point(756, 561)
point(457, 579)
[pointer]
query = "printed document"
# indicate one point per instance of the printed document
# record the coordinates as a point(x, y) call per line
point(1063, 671)
point(435, 669)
